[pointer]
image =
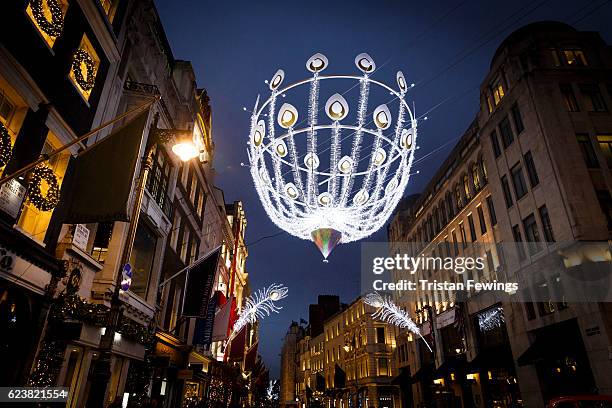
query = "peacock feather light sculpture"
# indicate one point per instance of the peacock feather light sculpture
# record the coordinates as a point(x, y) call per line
point(332, 178)
point(259, 305)
point(389, 312)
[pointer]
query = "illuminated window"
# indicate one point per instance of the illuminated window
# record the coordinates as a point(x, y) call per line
point(476, 177)
point(605, 145)
point(33, 221)
point(7, 113)
point(109, 7)
point(569, 98)
point(575, 58)
point(383, 367)
point(84, 68)
point(48, 18)
point(497, 90)
point(185, 244)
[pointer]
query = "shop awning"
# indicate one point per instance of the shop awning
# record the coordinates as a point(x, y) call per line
point(490, 357)
point(547, 346)
point(539, 350)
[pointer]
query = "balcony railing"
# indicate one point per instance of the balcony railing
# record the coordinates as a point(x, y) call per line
point(149, 89)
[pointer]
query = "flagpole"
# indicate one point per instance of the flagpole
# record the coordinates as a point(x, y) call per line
point(45, 157)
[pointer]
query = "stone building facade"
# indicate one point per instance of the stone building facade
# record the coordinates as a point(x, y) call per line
point(67, 68)
point(528, 189)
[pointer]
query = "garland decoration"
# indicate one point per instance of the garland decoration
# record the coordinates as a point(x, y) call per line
point(82, 57)
point(6, 149)
point(54, 27)
point(48, 201)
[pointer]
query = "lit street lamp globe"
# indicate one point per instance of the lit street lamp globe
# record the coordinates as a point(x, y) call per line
point(325, 170)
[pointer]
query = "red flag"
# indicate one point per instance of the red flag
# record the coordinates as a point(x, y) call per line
point(251, 357)
point(236, 346)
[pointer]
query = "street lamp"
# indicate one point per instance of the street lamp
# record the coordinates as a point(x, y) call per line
point(186, 150)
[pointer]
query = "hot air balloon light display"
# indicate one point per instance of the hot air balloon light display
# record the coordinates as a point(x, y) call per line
point(338, 179)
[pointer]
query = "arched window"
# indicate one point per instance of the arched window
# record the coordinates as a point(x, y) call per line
point(449, 205)
point(466, 186)
point(476, 177)
point(483, 168)
point(458, 199)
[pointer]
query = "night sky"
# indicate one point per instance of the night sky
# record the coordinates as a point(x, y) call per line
point(443, 47)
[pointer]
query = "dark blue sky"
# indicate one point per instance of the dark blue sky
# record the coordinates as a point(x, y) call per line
point(444, 47)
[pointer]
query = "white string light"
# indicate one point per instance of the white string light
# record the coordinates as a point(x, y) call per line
point(389, 312)
point(491, 319)
point(260, 305)
point(330, 198)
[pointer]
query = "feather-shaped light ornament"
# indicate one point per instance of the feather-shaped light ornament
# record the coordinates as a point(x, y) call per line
point(260, 305)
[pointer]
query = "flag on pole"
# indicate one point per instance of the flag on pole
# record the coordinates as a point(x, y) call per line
point(104, 174)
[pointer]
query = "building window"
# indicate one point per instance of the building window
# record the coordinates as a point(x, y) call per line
point(506, 190)
point(84, 68)
point(605, 145)
point(109, 7)
point(483, 168)
point(49, 21)
point(455, 243)
point(555, 57)
point(466, 187)
point(185, 243)
point(159, 179)
point(532, 234)
point(476, 177)
point(472, 227)
point(569, 98)
point(104, 231)
point(176, 229)
point(383, 367)
point(574, 58)
point(380, 335)
point(491, 209)
point(593, 97)
point(605, 202)
point(546, 224)
point(518, 240)
point(497, 90)
point(463, 237)
point(490, 264)
point(33, 221)
point(516, 117)
point(588, 153)
point(142, 257)
point(481, 220)
point(518, 181)
point(495, 144)
point(531, 170)
point(506, 132)
point(458, 198)
point(449, 206)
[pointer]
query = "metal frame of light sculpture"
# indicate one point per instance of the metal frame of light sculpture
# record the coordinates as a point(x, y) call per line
point(306, 198)
point(259, 305)
point(389, 312)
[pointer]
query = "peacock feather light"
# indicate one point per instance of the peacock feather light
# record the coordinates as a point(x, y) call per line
point(260, 305)
point(491, 319)
point(337, 177)
point(389, 312)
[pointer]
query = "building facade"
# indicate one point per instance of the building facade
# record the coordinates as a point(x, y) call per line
point(71, 68)
point(527, 182)
point(351, 363)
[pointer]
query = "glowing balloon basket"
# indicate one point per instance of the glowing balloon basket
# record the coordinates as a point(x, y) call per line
point(335, 180)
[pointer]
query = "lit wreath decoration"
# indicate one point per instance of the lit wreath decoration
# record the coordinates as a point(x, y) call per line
point(54, 27)
point(6, 149)
point(82, 57)
point(48, 201)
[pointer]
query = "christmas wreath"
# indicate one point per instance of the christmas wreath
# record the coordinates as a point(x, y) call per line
point(54, 27)
point(5, 145)
point(48, 201)
point(82, 57)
